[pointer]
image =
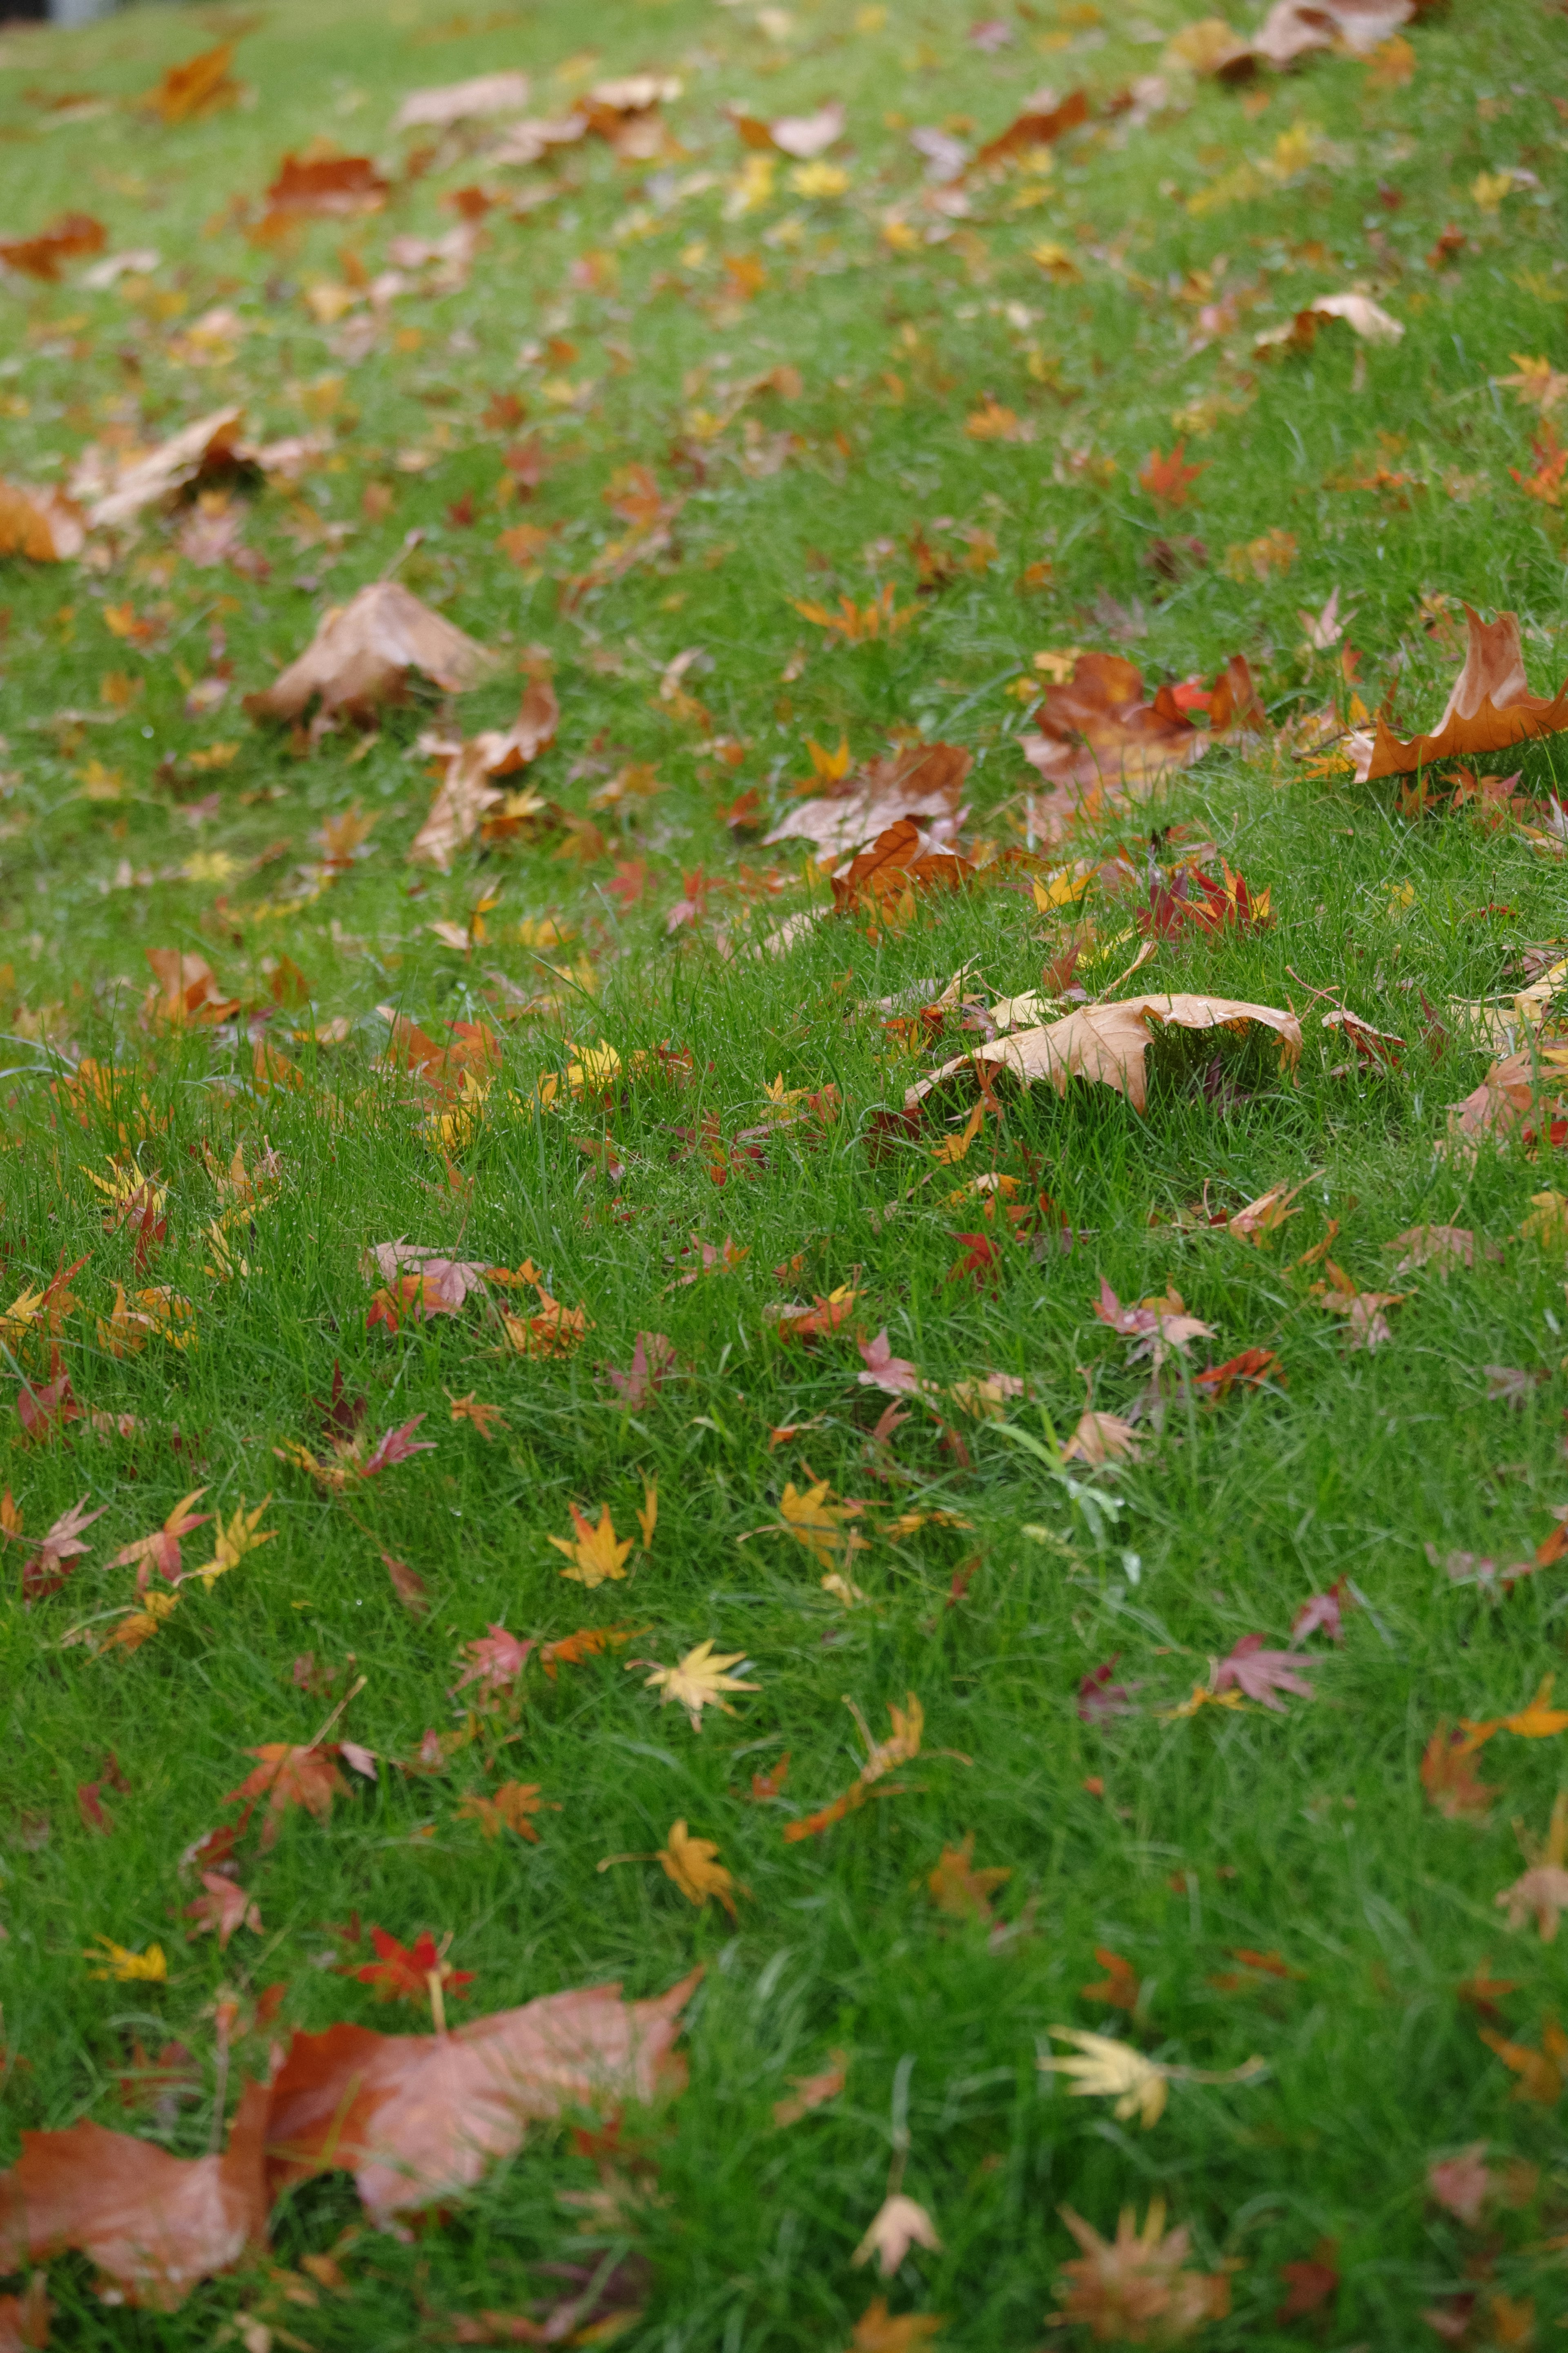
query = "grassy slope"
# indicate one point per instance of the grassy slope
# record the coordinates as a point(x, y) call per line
point(1306, 1833)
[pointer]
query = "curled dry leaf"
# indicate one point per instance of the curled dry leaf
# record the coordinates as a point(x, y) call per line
point(1490, 708)
point(363, 651)
point(41, 523)
point(1096, 729)
point(118, 492)
point(1108, 1042)
point(462, 101)
point(416, 2117)
point(1134, 2289)
point(923, 783)
point(898, 2224)
point(1102, 1437)
point(466, 794)
point(800, 135)
point(153, 2225)
point(41, 256)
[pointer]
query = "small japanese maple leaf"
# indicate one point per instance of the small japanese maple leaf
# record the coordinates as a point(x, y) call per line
point(1134, 2287)
point(653, 1363)
point(1462, 2183)
point(161, 1550)
point(958, 1889)
point(396, 1446)
point(287, 1777)
point(588, 1642)
point(237, 1536)
point(698, 1680)
point(472, 1409)
point(1319, 1613)
point(1261, 1673)
point(41, 1410)
point(339, 1415)
point(1168, 480)
point(894, 1376)
point(692, 1865)
point(222, 1909)
point(410, 1972)
point(898, 2224)
point(722, 1261)
point(1119, 1987)
point(511, 1808)
point(596, 1552)
point(50, 1566)
point(811, 2091)
point(1100, 1701)
point(495, 1661)
point(1156, 1323)
point(1449, 1777)
point(812, 1515)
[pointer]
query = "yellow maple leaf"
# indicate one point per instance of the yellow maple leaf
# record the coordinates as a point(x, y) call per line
point(126, 1968)
point(597, 1553)
point(692, 1864)
point(648, 1514)
point(1105, 2069)
point(235, 1537)
point(816, 1520)
point(697, 1679)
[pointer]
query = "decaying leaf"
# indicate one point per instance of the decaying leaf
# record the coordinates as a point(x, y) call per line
point(463, 101)
point(42, 524)
point(118, 491)
point(418, 2117)
point(898, 2224)
point(466, 794)
point(1134, 2289)
point(1490, 708)
point(1108, 1042)
point(902, 1745)
point(1095, 729)
point(152, 2223)
point(922, 783)
point(811, 2091)
point(363, 652)
point(958, 1889)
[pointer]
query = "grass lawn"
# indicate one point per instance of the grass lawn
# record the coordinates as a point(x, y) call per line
point(769, 456)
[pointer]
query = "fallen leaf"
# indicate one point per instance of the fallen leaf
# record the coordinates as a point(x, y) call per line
point(1168, 480)
point(595, 1553)
point(811, 2091)
point(162, 1548)
point(699, 1680)
point(1448, 1777)
point(923, 783)
point(877, 2331)
point(693, 1865)
point(1541, 2073)
point(58, 1549)
point(1311, 2281)
point(1107, 1043)
point(285, 1777)
point(123, 1966)
point(41, 255)
point(1102, 1438)
point(235, 1537)
point(418, 2117)
point(511, 1808)
point(496, 1661)
point(416, 1972)
point(1121, 1986)
point(1095, 729)
point(1261, 1673)
point(199, 86)
point(1462, 2183)
point(1105, 2069)
point(152, 2223)
point(961, 1891)
point(363, 652)
point(42, 524)
point(117, 493)
point(1134, 2289)
point(225, 1907)
point(466, 795)
point(898, 2224)
point(485, 1418)
point(463, 101)
point(1491, 707)
point(900, 1748)
point(894, 1376)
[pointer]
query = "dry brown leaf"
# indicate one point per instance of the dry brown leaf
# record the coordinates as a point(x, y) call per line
point(417, 2117)
point(325, 187)
point(1102, 1438)
point(800, 135)
point(466, 795)
point(1490, 708)
point(119, 492)
point(363, 651)
point(202, 85)
point(152, 2223)
point(1096, 729)
point(42, 523)
point(1108, 1042)
point(462, 101)
point(923, 783)
point(41, 256)
point(1133, 2288)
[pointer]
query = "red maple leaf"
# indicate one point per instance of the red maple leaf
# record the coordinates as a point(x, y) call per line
point(403, 1972)
point(397, 1447)
point(495, 1660)
point(51, 1564)
point(1166, 479)
point(1261, 1673)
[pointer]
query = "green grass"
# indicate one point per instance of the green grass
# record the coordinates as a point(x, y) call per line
point(1306, 1833)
